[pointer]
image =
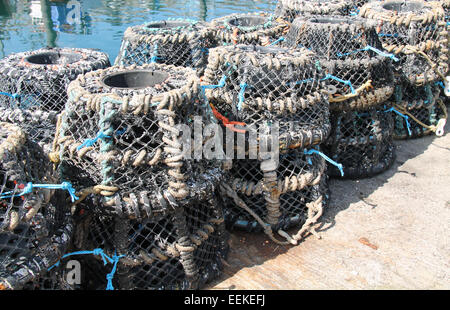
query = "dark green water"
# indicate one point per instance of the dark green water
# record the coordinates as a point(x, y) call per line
point(32, 24)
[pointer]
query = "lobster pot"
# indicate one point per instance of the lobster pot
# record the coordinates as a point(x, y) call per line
point(419, 110)
point(35, 227)
point(415, 31)
point(362, 142)
point(33, 86)
point(179, 42)
point(291, 9)
point(259, 28)
point(283, 195)
point(181, 249)
point(358, 74)
point(252, 89)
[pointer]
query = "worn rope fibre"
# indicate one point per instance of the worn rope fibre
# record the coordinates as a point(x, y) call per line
point(259, 28)
point(35, 227)
point(416, 32)
point(272, 198)
point(256, 86)
point(291, 9)
point(123, 143)
point(362, 142)
point(359, 72)
point(180, 42)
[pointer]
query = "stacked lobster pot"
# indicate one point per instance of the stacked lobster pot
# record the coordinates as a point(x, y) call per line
point(179, 42)
point(269, 102)
point(415, 31)
point(445, 92)
point(359, 81)
point(146, 208)
point(258, 28)
point(35, 222)
point(33, 87)
point(291, 9)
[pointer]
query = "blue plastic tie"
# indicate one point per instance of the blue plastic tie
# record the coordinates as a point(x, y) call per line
point(28, 189)
point(110, 276)
point(348, 83)
point(439, 83)
point(339, 166)
point(373, 49)
point(243, 86)
point(220, 85)
point(91, 142)
point(277, 41)
point(408, 126)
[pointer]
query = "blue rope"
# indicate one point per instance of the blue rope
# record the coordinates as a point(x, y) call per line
point(28, 189)
point(395, 35)
point(155, 54)
point(402, 115)
point(439, 83)
point(277, 41)
point(106, 259)
point(373, 49)
point(91, 142)
point(14, 96)
point(313, 151)
point(243, 86)
point(348, 83)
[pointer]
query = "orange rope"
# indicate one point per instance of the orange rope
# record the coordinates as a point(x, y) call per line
point(226, 122)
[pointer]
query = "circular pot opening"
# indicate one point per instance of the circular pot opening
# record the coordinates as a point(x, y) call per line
point(167, 24)
point(247, 21)
point(325, 20)
point(402, 6)
point(262, 49)
point(135, 79)
point(53, 58)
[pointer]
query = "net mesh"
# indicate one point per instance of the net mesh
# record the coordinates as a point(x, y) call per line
point(258, 28)
point(415, 32)
point(179, 42)
point(419, 104)
point(35, 227)
point(249, 86)
point(291, 9)
point(358, 72)
point(282, 199)
point(33, 86)
point(361, 141)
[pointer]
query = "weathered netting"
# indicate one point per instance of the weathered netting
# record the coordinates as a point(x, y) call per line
point(35, 224)
point(160, 204)
point(36, 82)
point(415, 31)
point(182, 249)
point(258, 28)
point(266, 196)
point(179, 42)
point(291, 9)
point(251, 86)
point(358, 72)
point(421, 112)
point(361, 141)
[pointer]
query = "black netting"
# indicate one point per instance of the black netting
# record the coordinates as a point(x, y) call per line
point(35, 225)
point(362, 142)
point(416, 106)
point(258, 28)
point(262, 86)
point(182, 249)
point(179, 42)
point(291, 9)
point(36, 82)
point(358, 72)
point(415, 32)
point(280, 199)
